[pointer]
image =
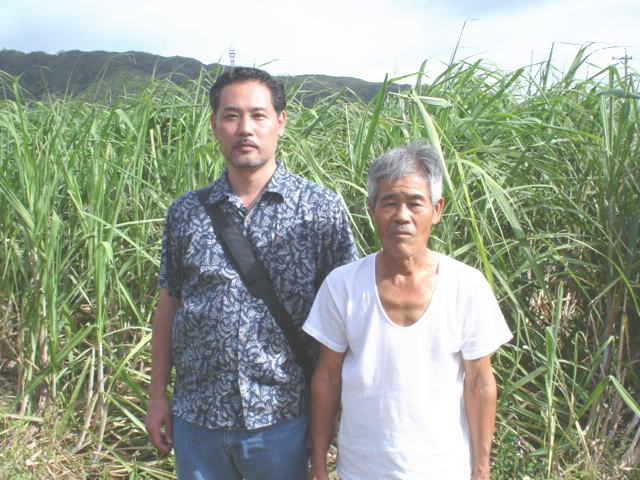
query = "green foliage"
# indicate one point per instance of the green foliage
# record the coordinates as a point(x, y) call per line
point(72, 73)
point(103, 75)
point(541, 194)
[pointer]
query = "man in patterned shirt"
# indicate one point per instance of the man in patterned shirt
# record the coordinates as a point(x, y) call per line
point(240, 401)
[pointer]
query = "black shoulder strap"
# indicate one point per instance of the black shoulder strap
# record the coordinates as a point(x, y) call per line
point(255, 277)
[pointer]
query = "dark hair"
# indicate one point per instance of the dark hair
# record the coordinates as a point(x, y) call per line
point(400, 162)
point(247, 74)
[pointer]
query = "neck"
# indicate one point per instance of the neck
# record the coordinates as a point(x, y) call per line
point(248, 183)
point(423, 262)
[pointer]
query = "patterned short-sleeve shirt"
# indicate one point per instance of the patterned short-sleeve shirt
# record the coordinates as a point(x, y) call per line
point(234, 367)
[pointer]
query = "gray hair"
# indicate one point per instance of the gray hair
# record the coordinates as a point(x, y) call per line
point(400, 162)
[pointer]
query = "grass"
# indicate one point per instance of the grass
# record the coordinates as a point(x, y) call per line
point(541, 194)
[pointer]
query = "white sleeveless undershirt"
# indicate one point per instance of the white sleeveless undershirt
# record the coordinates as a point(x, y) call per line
point(402, 407)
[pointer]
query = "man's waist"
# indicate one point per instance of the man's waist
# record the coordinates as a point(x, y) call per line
point(237, 416)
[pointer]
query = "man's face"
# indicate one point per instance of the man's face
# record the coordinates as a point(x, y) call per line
point(246, 125)
point(403, 215)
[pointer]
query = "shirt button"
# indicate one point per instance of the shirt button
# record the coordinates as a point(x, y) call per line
point(247, 297)
point(243, 381)
point(247, 219)
point(243, 339)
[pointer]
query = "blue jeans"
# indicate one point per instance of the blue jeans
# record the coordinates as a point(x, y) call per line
point(276, 452)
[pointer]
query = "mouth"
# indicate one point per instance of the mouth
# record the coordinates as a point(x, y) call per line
point(402, 233)
point(244, 146)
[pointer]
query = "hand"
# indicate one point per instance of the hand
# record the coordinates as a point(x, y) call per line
point(318, 474)
point(480, 476)
point(481, 470)
point(318, 469)
point(158, 423)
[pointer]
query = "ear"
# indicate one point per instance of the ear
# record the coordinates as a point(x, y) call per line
point(371, 211)
point(437, 210)
point(282, 121)
point(213, 124)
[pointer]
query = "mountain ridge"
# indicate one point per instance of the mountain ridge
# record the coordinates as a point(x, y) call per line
point(76, 73)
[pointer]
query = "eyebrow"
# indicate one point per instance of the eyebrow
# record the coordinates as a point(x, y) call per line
point(233, 108)
point(392, 195)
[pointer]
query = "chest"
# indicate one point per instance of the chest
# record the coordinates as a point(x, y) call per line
point(406, 304)
point(280, 236)
point(374, 338)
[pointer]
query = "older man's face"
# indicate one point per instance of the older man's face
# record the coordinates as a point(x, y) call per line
point(403, 215)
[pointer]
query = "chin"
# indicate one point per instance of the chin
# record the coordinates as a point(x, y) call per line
point(247, 162)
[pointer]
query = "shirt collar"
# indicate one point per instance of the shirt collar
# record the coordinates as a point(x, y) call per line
point(278, 184)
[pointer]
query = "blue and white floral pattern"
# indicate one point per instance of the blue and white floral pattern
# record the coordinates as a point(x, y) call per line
point(234, 367)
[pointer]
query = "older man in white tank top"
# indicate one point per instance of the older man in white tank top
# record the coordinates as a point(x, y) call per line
point(406, 337)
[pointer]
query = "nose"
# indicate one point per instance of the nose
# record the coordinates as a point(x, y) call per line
point(402, 213)
point(245, 125)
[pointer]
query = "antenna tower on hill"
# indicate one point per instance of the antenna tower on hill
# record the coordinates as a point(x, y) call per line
point(232, 56)
point(624, 59)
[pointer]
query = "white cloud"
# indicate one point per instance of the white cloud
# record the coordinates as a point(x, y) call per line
point(365, 38)
point(362, 38)
point(514, 40)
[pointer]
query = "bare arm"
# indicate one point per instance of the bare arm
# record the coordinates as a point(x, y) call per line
point(158, 420)
point(480, 393)
point(326, 385)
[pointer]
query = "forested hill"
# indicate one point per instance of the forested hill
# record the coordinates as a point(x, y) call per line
point(97, 74)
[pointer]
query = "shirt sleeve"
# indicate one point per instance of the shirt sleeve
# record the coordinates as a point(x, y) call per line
point(338, 246)
point(484, 326)
point(326, 321)
point(171, 273)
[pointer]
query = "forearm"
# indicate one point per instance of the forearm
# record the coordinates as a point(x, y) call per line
point(161, 362)
point(325, 398)
point(326, 386)
point(480, 404)
point(158, 421)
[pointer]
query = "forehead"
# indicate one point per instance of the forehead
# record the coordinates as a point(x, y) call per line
point(249, 94)
point(412, 185)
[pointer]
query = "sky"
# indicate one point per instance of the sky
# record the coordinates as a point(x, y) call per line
point(367, 39)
